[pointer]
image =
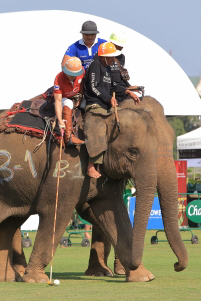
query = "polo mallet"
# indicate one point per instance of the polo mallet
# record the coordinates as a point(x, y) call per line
point(116, 114)
point(56, 206)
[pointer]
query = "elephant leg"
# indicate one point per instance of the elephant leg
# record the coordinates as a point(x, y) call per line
point(42, 250)
point(138, 275)
point(100, 246)
point(19, 260)
point(8, 229)
point(118, 267)
point(113, 218)
point(100, 250)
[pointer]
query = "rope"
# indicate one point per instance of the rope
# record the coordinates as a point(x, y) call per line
point(15, 112)
point(47, 128)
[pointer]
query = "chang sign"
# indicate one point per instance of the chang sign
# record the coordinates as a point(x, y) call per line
point(193, 211)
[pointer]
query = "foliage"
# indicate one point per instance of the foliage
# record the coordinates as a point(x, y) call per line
point(194, 176)
point(70, 264)
point(129, 184)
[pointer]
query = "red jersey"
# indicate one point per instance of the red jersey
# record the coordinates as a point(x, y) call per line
point(62, 85)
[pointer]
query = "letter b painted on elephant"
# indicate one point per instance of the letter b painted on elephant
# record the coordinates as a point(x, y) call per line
point(6, 172)
point(62, 168)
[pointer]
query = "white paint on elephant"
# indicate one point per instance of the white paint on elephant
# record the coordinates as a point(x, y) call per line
point(28, 158)
point(4, 167)
point(79, 173)
point(62, 168)
point(148, 64)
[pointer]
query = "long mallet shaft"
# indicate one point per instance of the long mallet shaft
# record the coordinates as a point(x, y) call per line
point(56, 206)
point(116, 114)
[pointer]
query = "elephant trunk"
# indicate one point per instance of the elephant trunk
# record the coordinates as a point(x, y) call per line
point(168, 195)
point(145, 181)
point(142, 212)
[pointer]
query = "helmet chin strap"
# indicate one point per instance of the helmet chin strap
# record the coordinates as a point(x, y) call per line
point(106, 61)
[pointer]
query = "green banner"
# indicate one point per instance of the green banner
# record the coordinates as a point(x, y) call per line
point(193, 211)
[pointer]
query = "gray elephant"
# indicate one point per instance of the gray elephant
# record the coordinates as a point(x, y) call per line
point(142, 150)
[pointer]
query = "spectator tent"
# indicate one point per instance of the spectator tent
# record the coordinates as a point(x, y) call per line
point(189, 148)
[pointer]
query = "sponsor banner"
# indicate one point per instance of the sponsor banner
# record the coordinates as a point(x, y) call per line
point(155, 219)
point(181, 170)
point(193, 211)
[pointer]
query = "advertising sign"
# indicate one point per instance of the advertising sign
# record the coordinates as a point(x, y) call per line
point(155, 220)
point(181, 170)
point(193, 211)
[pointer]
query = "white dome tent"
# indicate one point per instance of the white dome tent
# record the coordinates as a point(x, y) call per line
point(34, 42)
point(33, 45)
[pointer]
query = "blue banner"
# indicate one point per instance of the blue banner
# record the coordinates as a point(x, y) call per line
point(155, 220)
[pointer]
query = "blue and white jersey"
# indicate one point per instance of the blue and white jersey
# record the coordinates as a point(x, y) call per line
point(85, 54)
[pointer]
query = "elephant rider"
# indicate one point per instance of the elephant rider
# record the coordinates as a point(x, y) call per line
point(85, 48)
point(97, 86)
point(119, 73)
point(66, 85)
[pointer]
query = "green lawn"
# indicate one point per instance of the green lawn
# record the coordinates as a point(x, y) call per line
point(70, 264)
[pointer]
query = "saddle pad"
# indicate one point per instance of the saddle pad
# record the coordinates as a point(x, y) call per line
point(26, 120)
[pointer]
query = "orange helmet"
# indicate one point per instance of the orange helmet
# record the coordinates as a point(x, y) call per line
point(72, 67)
point(108, 49)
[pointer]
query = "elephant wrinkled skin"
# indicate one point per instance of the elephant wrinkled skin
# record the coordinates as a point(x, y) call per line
point(142, 151)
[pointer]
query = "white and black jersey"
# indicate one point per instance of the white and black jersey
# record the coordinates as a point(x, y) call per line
point(98, 84)
point(117, 78)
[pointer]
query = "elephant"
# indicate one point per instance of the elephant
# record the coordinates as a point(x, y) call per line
point(142, 150)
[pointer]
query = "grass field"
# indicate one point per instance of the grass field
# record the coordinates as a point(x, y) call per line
point(70, 264)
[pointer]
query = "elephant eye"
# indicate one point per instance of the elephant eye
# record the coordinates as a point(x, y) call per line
point(131, 154)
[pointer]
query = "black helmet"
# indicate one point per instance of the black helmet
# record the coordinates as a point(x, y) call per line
point(89, 27)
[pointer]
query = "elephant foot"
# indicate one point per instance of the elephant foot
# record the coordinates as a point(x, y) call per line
point(34, 277)
point(118, 268)
point(20, 270)
point(99, 272)
point(139, 275)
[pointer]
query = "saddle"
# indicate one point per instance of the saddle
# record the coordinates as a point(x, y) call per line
point(36, 117)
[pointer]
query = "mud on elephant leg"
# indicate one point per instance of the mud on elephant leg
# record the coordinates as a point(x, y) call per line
point(7, 232)
point(19, 261)
point(100, 246)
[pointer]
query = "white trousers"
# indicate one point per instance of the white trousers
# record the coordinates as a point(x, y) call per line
point(67, 102)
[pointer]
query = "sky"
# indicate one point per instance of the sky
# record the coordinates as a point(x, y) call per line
point(174, 25)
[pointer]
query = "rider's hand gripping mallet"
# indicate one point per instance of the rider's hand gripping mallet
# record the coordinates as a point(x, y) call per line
point(116, 114)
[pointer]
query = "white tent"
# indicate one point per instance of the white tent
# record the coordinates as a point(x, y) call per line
point(198, 88)
point(189, 148)
point(33, 44)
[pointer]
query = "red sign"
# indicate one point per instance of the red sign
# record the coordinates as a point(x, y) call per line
point(181, 170)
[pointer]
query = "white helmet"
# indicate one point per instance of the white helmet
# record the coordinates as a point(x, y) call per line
point(118, 38)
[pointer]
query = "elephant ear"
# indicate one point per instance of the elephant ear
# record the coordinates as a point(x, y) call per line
point(95, 131)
